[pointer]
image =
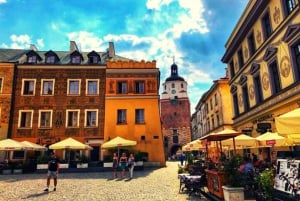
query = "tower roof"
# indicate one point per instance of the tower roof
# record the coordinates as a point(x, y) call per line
point(174, 74)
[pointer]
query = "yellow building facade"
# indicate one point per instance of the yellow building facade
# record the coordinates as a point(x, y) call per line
point(263, 58)
point(132, 107)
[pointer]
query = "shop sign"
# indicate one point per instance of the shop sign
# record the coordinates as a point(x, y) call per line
point(270, 142)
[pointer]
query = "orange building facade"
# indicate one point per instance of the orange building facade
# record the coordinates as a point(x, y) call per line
point(132, 106)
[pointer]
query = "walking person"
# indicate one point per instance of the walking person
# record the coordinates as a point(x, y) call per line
point(115, 165)
point(131, 165)
point(123, 162)
point(53, 166)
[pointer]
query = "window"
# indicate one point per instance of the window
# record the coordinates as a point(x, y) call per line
point(28, 87)
point(91, 118)
point(31, 59)
point(25, 118)
point(45, 118)
point(211, 104)
point(216, 99)
point(75, 59)
point(296, 58)
point(245, 98)
point(236, 105)
point(175, 136)
point(266, 25)
point(93, 59)
point(240, 58)
point(274, 77)
point(50, 59)
point(72, 118)
point(92, 87)
point(1, 84)
point(173, 85)
point(139, 116)
point(73, 87)
point(182, 86)
point(251, 44)
point(289, 6)
point(231, 67)
point(139, 87)
point(47, 87)
point(122, 87)
point(258, 89)
point(121, 118)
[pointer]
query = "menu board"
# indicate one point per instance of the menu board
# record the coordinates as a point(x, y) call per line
point(287, 176)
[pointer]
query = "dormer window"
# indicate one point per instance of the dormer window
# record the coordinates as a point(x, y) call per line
point(94, 58)
point(76, 57)
point(76, 60)
point(31, 59)
point(51, 57)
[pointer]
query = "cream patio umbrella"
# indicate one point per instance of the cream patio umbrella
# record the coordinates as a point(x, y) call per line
point(273, 139)
point(195, 145)
point(10, 145)
point(118, 142)
point(33, 146)
point(241, 141)
point(288, 123)
point(70, 143)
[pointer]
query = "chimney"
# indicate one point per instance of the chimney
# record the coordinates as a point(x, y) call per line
point(73, 46)
point(33, 47)
point(111, 50)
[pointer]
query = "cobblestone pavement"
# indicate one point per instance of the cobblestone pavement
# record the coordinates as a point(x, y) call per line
point(159, 184)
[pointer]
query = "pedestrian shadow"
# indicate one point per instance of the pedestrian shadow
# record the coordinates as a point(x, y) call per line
point(36, 195)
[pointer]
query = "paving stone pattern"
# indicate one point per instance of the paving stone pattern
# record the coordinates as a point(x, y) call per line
point(159, 184)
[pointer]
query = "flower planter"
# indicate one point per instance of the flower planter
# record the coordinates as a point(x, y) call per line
point(82, 165)
point(233, 193)
point(6, 171)
point(42, 166)
point(108, 164)
point(17, 171)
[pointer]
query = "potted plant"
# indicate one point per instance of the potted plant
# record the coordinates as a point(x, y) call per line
point(265, 181)
point(83, 162)
point(7, 168)
point(233, 179)
point(17, 168)
point(42, 162)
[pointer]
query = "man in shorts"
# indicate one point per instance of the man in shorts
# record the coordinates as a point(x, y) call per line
point(53, 166)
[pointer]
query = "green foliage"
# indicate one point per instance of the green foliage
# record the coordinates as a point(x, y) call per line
point(83, 159)
point(107, 158)
point(182, 169)
point(141, 156)
point(232, 176)
point(44, 159)
point(266, 181)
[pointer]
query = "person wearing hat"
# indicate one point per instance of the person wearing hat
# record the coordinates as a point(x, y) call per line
point(53, 166)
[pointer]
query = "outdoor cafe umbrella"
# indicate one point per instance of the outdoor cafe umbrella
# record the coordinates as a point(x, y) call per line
point(241, 141)
point(288, 123)
point(33, 146)
point(70, 143)
point(273, 139)
point(118, 142)
point(195, 145)
point(10, 145)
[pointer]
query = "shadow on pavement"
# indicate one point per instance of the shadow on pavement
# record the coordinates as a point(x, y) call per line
point(37, 195)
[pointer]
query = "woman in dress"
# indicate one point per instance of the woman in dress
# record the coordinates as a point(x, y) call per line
point(131, 165)
point(123, 162)
point(115, 164)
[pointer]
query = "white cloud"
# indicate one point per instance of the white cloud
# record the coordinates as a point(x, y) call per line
point(40, 43)
point(156, 4)
point(18, 42)
point(3, 1)
point(87, 41)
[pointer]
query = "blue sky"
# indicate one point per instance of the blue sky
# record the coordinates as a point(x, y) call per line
point(192, 31)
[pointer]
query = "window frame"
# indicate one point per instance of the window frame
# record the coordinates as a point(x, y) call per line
point(122, 87)
point(79, 87)
point(121, 116)
point(288, 6)
point(251, 44)
point(274, 76)
point(97, 87)
point(295, 59)
point(266, 25)
point(140, 116)
point(42, 87)
point(86, 118)
point(139, 87)
point(77, 120)
point(258, 89)
point(1, 84)
point(20, 120)
point(40, 120)
point(240, 58)
point(23, 87)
